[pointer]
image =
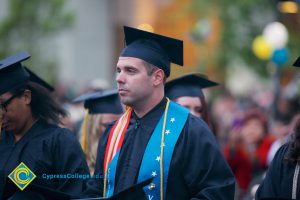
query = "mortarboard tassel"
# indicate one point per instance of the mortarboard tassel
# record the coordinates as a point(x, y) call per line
point(84, 132)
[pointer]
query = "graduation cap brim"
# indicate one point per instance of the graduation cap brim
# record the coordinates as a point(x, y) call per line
point(188, 85)
point(14, 59)
point(12, 73)
point(198, 79)
point(134, 192)
point(173, 47)
point(101, 102)
point(35, 78)
point(297, 62)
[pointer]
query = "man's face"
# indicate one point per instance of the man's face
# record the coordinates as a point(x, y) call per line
point(134, 84)
point(14, 110)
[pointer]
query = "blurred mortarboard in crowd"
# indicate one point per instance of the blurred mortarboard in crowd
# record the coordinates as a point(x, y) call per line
point(190, 85)
point(106, 101)
point(12, 73)
point(297, 62)
point(101, 102)
point(155, 49)
point(35, 78)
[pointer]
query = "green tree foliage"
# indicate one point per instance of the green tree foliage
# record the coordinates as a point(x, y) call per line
point(242, 21)
point(27, 25)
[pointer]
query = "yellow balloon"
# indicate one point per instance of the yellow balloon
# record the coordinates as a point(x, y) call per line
point(261, 48)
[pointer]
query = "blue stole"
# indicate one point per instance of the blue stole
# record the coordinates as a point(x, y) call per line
point(150, 167)
point(111, 174)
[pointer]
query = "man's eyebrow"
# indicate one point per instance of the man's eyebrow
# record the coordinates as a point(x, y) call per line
point(127, 66)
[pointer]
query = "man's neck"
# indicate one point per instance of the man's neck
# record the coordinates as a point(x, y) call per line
point(147, 105)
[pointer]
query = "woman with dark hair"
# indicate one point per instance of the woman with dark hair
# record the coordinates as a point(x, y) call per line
point(282, 178)
point(31, 137)
point(187, 91)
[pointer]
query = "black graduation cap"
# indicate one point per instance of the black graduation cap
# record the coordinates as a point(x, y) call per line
point(35, 78)
point(155, 49)
point(297, 62)
point(12, 73)
point(106, 101)
point(188, 85)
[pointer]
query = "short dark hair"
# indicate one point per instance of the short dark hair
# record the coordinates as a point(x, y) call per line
point(43, 104)
point(152, 68)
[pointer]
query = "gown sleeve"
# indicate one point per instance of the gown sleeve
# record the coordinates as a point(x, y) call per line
point(270, 187)
point(69, 159)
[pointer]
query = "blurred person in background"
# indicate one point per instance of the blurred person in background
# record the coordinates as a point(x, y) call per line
point(224, 110)
point(30, 133)
point(282, 178)
point(187, 91)
point(282, 131)
point(248, 147)
point(76, 109)
point(102, 108)
point(66, 93)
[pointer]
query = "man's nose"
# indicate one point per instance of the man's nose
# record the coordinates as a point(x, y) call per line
point(120, 77)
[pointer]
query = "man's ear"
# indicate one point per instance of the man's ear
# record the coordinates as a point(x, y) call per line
point(27, 97)
point(158, 77)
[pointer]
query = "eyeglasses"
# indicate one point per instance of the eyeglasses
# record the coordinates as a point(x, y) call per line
point(7, 102)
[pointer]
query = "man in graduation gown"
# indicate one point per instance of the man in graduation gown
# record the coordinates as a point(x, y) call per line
point(30, 135)
point(156, 137)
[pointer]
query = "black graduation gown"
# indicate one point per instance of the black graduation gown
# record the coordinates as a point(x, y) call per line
point(197, 170)
point(279, 178)
point(44, 149)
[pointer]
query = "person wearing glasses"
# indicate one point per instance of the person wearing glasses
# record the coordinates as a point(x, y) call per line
point(30, 135)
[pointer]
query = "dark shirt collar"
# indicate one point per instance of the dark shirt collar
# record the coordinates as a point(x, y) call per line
point(151, 118)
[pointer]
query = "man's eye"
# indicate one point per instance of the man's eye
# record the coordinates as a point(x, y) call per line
point(131, 70)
